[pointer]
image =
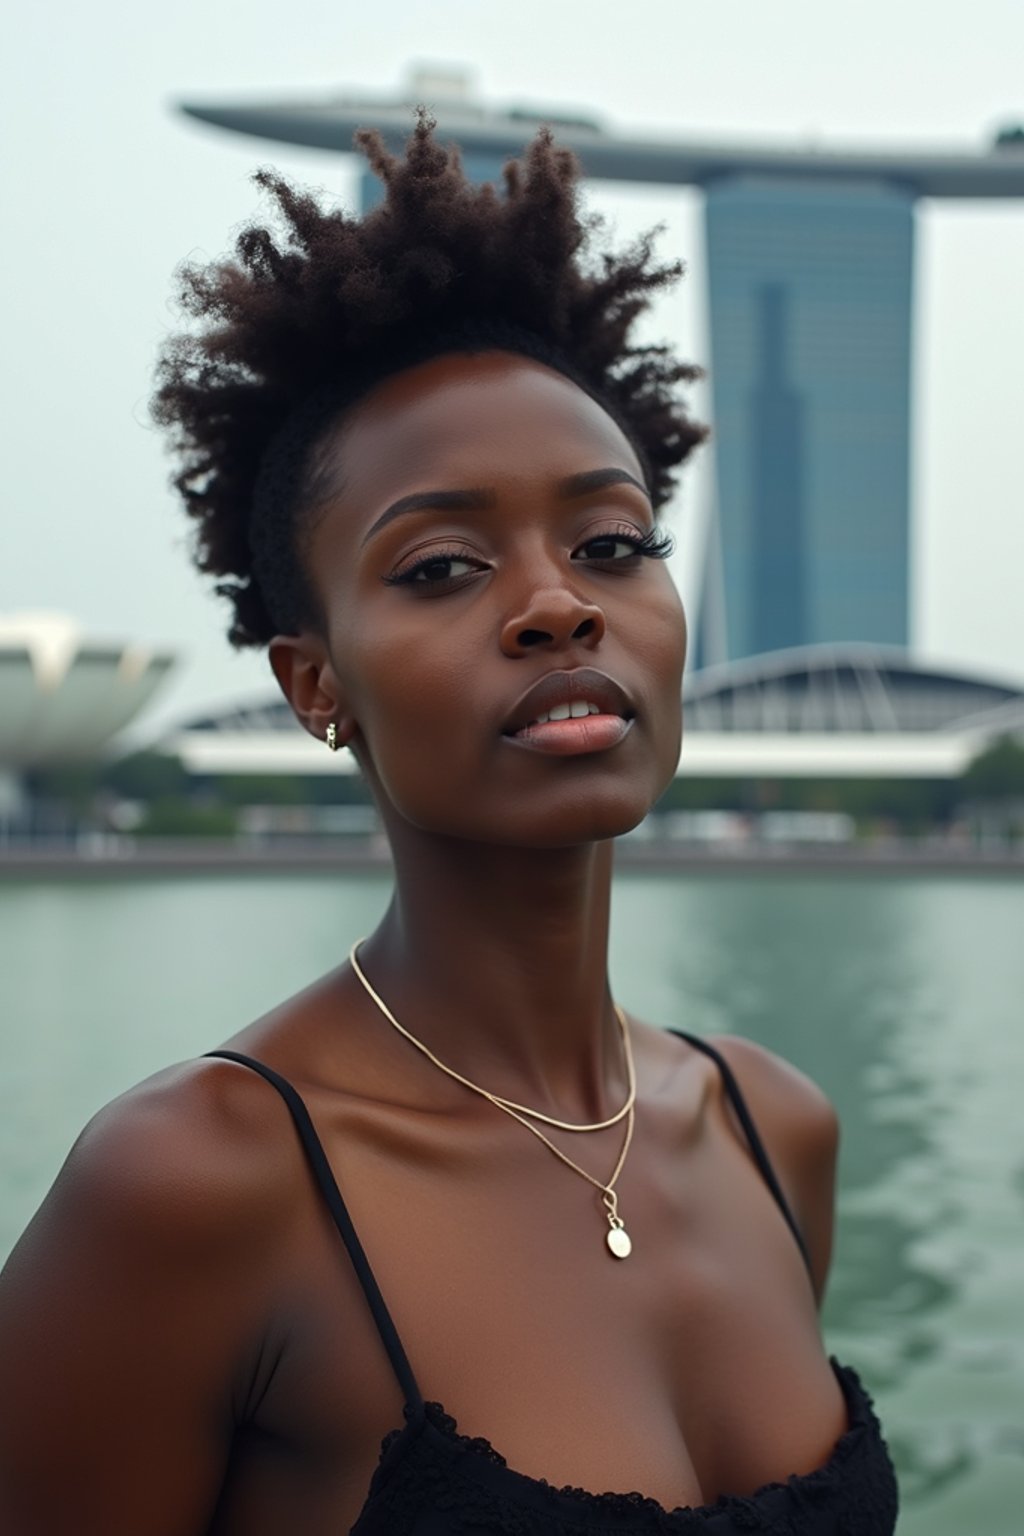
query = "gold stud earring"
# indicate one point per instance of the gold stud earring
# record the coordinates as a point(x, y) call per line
point(332, 736)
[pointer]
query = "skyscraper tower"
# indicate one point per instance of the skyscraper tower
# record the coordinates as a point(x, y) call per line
point(810, 277)
point(810, 294)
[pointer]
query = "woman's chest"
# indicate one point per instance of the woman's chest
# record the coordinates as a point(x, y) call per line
point(684, 1371)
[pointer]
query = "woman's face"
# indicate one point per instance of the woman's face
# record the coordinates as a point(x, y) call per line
point(481, 542)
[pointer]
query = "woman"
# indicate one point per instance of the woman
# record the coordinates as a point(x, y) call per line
point(424, 457)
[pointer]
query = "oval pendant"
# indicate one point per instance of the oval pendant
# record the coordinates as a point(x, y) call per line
point(619, 1243)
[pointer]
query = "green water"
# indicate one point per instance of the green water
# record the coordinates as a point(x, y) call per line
point(903, 997)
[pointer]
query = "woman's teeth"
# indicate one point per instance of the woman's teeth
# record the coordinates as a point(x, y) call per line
point(574, 711)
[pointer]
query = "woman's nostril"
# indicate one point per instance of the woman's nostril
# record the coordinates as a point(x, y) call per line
point(560, 618)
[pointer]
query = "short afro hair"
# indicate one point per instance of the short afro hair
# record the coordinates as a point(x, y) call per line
point(298, 324)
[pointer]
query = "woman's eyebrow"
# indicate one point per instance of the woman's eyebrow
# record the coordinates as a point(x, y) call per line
point(432, 501)
point(480, 500)
point(599, 480)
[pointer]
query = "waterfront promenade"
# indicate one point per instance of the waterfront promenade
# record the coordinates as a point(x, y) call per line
point(95, 856)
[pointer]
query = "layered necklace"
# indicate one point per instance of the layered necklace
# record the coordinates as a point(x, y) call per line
point(617, 1238)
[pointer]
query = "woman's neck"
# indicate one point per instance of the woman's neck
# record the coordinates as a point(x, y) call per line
point(497, 959)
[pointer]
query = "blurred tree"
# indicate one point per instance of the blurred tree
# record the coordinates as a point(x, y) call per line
point(290, 789)
point(72, 786)
point(145, 776)
point(173, 817)
point(261, 789)
point(910, 803)
point(997, 773)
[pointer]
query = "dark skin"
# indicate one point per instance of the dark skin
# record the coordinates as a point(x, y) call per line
point(185, 1347)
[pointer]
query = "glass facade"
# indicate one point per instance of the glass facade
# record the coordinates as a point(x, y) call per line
point(810, 297)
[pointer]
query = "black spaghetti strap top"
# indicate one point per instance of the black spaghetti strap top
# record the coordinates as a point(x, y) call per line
point(433, 1481)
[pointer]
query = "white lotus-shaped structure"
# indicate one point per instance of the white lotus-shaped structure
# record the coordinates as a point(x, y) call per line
point(63, 694)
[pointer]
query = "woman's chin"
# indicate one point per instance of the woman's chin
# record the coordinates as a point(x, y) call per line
point(567, 826)
point(588, 824)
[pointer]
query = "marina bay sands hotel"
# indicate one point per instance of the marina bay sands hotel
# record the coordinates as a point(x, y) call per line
point(810, 286)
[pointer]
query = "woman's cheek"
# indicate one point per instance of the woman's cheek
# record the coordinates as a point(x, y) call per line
point(411, 749)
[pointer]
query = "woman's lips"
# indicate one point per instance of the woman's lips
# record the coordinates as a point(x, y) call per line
point(568, 738)
point(565, 692)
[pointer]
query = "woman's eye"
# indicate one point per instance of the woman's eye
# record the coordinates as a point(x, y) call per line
point(434, 571)
point(610, 546)
point(440, 568)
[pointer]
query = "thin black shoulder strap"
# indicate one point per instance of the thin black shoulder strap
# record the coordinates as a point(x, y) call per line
point(343, 1221)
point(761, 1158)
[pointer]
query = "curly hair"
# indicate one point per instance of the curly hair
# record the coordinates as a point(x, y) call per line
point(297, 325)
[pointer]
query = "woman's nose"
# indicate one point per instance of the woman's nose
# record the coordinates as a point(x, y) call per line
point(554, 618)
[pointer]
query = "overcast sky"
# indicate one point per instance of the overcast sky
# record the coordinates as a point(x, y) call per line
point(107, 189)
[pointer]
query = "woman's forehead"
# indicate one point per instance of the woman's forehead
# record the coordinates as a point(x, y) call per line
point(478, 416)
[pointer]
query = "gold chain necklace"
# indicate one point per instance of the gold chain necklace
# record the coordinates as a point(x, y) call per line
point(616, 1237)
point(534, 1114)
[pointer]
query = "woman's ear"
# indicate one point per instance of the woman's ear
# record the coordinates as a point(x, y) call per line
point(310, 684)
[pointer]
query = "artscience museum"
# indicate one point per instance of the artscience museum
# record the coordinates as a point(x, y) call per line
point(66, 696)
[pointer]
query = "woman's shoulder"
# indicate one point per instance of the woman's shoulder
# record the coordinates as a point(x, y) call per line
point(789, 1109)
point(777, 1092)
point(782, 1092)
point(799, 1128)
point(188, 1158)
point(207, 1128)
point(135, 1307)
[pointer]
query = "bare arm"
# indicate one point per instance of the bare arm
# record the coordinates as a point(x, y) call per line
point(128, 1313)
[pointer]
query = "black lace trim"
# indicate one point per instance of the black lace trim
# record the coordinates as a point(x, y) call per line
point(426, 1481)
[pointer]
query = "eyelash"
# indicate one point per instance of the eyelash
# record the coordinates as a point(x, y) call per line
point(656, 544)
